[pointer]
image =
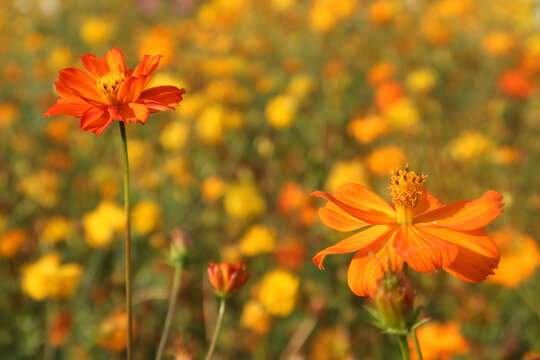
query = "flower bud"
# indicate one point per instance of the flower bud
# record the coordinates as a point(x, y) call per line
point(227, 278)
point(179, 244)
point(394, 298)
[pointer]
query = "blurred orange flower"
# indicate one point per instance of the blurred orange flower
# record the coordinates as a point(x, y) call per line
point(419, 230)
point(516, 83)
point(387, 94)
point(441, 341)
point(107, 91)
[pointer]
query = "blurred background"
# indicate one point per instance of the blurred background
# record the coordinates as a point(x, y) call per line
point(284, 97)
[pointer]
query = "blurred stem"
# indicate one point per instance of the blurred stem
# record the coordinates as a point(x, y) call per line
point(128, 240)
point(404, 347)
point(417, 345)
point(48, 349)
point(178, 267)
point(217, 329)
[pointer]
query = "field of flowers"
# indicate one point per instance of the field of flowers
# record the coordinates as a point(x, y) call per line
point(282, 98)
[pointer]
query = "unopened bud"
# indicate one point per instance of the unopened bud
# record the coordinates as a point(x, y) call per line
point(179, 245)
point(394, 298)
point(227, 278)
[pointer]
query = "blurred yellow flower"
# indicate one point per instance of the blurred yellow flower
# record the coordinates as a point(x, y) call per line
point(498, 43)
point(210, 125)
point(192, 106)
point(383, 160)
point(471, 146)
point(177, 167)
point(366, 130)
point(174, 135)
point(158, 41)
point(343, 172)
point(422, 80)
point(281, 111)
point(283, 5)
point(330, 344)
point(300, 86)
point(402, 114)
point(255, 318)
point(8, 113)
point(453, 8)
point(277, 292)
point(103, 223)
point(520, 256)
point(95, 31)
point(47, 278)
point(440, 341)
point(60, 57)
point(212, 188)
point(42, 187)
point(146, 217)
point(56, 229)
point(11, 242)
point(244, 201)
point(258, 239)
point(325, 14)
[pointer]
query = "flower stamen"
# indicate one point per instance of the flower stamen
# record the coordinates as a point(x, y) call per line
point(109, 84)
point(406, 189)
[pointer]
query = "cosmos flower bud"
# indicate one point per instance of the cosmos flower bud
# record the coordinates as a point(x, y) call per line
point(179, 244)
point(227, 278)
point(394, 298)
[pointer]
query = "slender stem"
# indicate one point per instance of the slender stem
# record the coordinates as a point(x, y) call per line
point(48, 350)
point(417, 345)
point(404, 347)
point(217, 329)
point(170, 310)
point(128, 241)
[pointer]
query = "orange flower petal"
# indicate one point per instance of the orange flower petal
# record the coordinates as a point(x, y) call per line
point(94, 65)
point(78, 81)
point(473, 240)
point(429, 202)
point(422, 251)
point(66, 107)
point(365, 270)
point(115, 60)
point(471, 266)
point(134, 112)
point(95, 120)
point(161, 98)
point(147, 65)
point(466, 215)
point(338, 219)
point(361, 197)
point(356, 242)
point(370, 216)
point(131, 89)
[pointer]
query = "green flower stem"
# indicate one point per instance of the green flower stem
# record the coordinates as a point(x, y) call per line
point(128, 241)
point(217, 329)
point(417, 345)
point(404, 347)
point(178, 267)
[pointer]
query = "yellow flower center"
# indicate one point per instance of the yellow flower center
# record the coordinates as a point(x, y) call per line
point(109, 84)
point(406, 188)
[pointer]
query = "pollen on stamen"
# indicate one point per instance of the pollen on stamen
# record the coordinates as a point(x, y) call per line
point(406, 188)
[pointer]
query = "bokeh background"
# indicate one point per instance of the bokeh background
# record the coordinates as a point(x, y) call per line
point(284, 97)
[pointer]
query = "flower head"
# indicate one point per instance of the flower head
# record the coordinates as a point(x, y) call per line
point(417, 229)
point(107, 91)
point(227, 278)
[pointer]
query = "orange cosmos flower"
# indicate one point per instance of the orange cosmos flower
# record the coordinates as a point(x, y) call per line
point(108, 91)
point(418, 229)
